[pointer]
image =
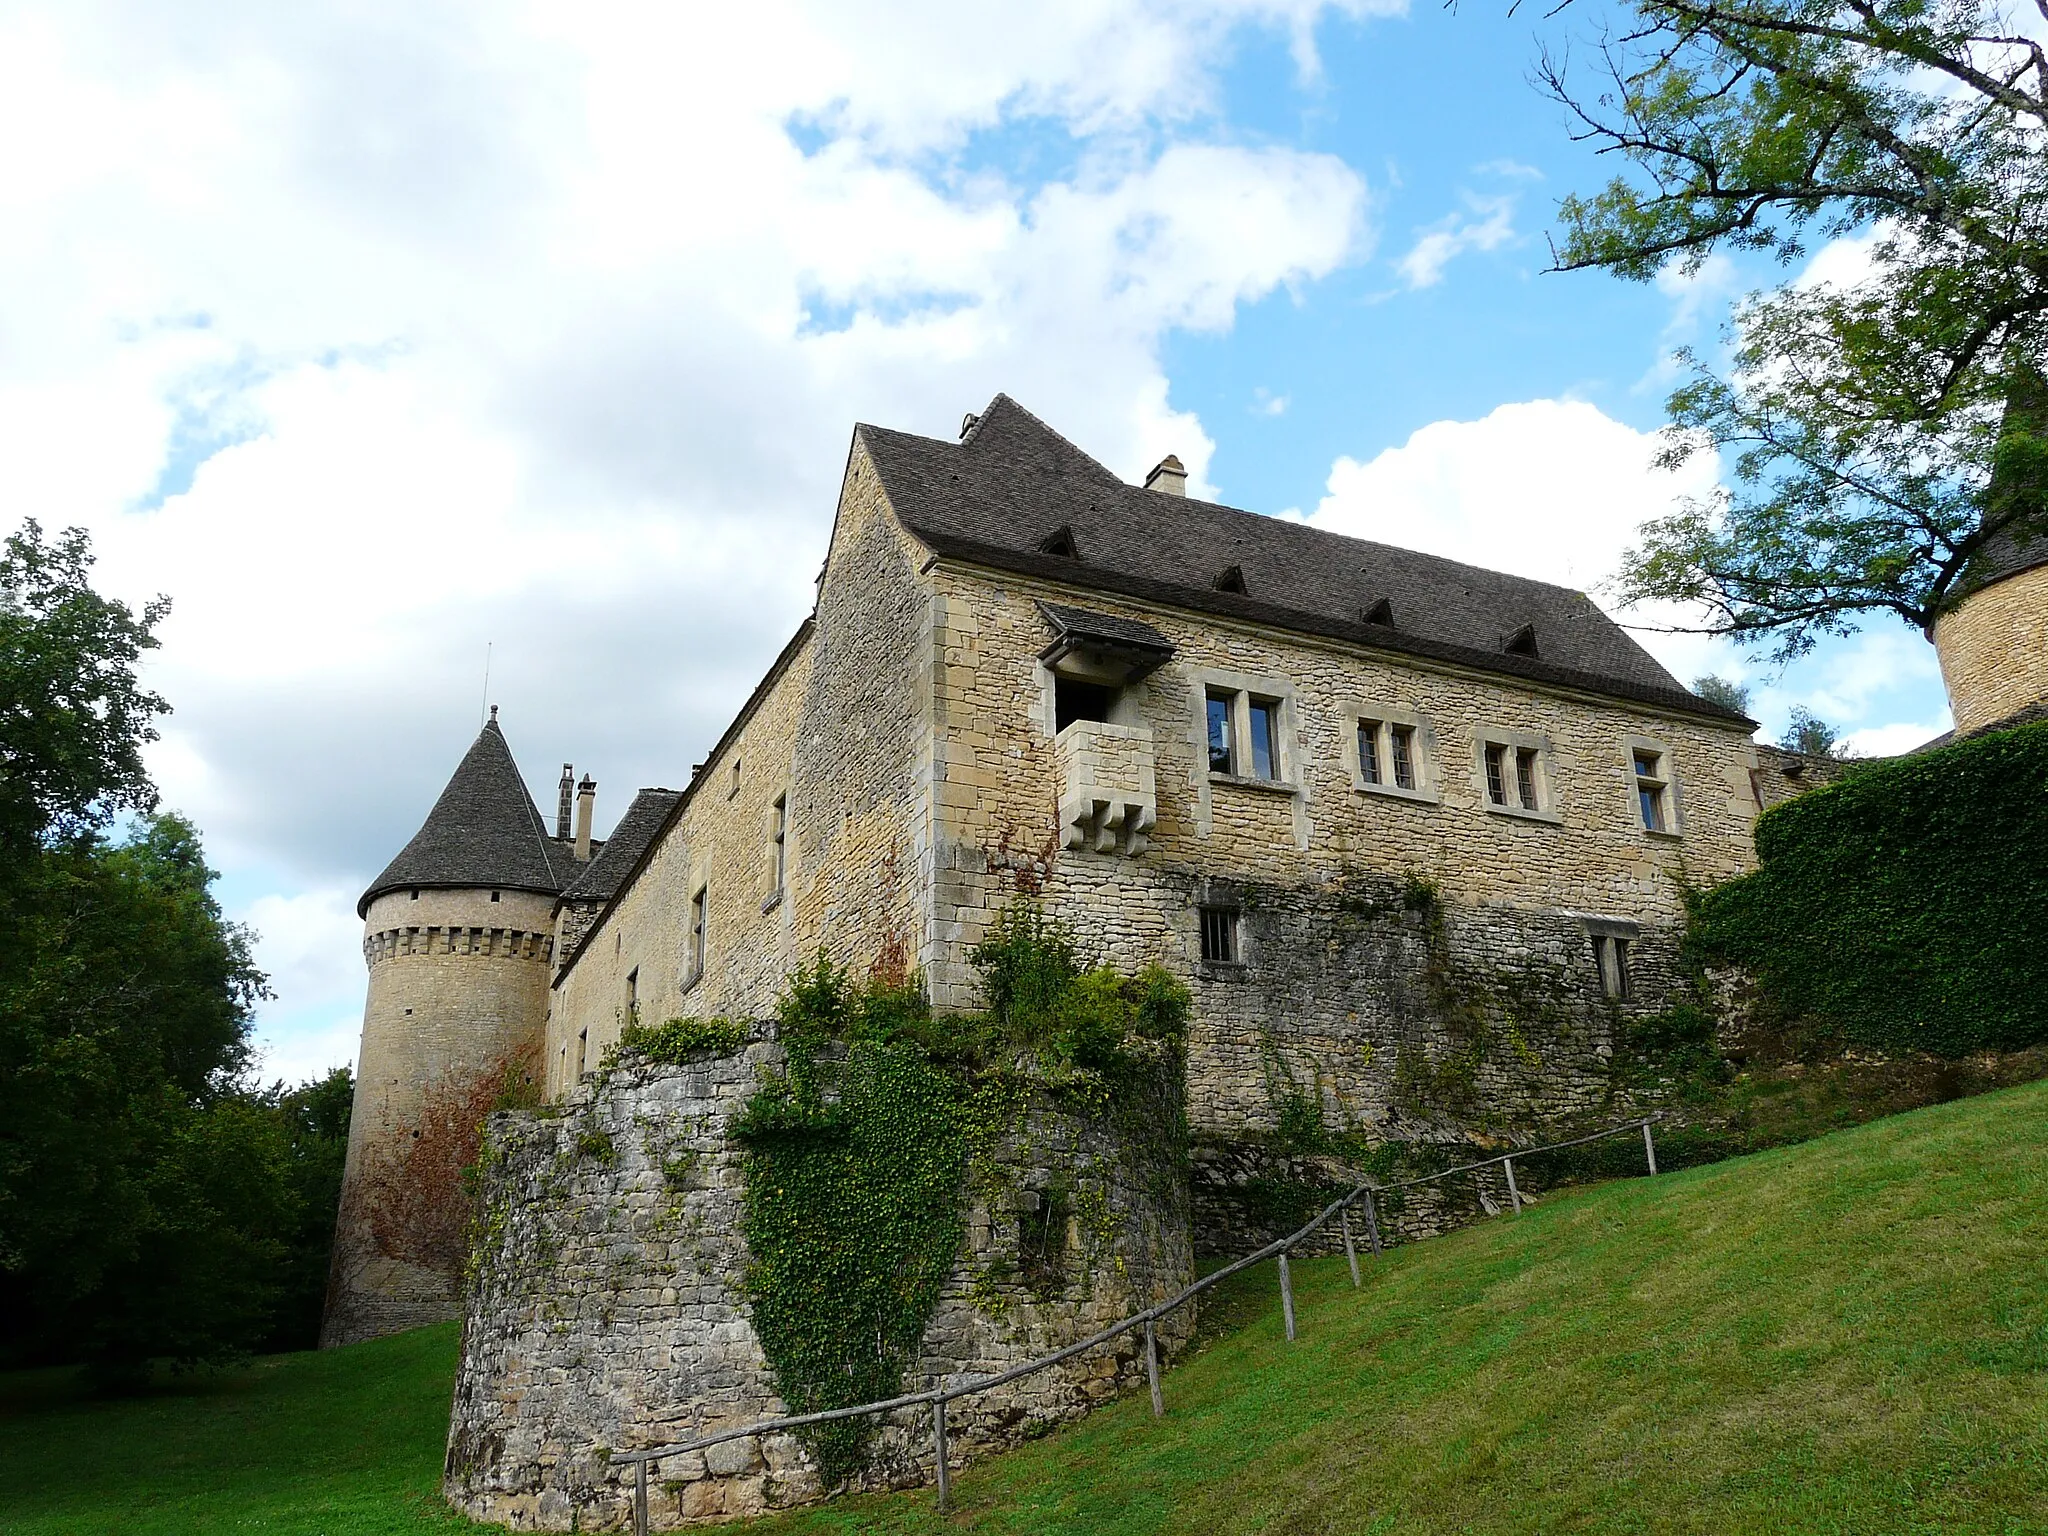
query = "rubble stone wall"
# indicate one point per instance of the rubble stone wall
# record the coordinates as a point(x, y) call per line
point(1483, 1016)
point(605, 1308)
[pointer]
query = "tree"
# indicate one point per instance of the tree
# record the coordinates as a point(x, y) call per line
point(1807, 733)
point(314, 1119)
point(1721, 691)
point(1889, 433)
point(144, 1200)
point(73, 715)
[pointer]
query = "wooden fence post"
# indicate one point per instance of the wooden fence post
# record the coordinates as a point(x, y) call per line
point(939, 1447)
point(639, 1498)
point(1350, 1248)
point(1372, 1224)
point(1152, 1370)
point(1514, 1192)
point(1286, 1296)
point(1649, 1149)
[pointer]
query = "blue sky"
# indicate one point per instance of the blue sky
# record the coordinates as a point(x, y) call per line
point(376, 334)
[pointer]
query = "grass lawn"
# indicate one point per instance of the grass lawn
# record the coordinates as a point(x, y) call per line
point(1845, 1336)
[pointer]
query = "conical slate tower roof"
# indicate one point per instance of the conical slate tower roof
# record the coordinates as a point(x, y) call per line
point(483, 831)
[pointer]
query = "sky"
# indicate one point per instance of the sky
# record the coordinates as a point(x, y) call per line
point(393, 341)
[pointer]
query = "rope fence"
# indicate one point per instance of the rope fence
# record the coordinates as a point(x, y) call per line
point(937, 1397)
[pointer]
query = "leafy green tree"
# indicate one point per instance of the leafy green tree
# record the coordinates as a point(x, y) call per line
point(1721, 691)
point(1887, 433)
point(314, 1118)
point(73, 715)
point(1808, 733)
point(144, 1200)
point(150, 1205)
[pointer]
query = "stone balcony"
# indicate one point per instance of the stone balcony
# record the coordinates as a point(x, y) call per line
point(1109, 796)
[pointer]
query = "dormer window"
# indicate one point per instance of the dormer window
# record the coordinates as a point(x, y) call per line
point(1380, 613)
point(1522, 642)
point(1061, 542)
point(1231, 579)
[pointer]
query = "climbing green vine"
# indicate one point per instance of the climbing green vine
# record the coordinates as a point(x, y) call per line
point(858, 1152)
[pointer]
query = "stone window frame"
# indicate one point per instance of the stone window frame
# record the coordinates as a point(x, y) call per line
point(1126, 699)
point(775, 833)
point(1243, 687)
point(1612, 936)
point(631, 1013)
point(1353, 712)
point(1231, 912)
point(1544, 778)
point(697, 936)
point(1674, 801)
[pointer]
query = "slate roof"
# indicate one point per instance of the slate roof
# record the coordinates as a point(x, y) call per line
point(1083, 624)
point(604, 874)
point(1013, 494)
point(483, 831)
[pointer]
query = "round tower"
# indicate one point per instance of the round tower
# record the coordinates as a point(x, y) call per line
point(458, 934)
point(1993, 643)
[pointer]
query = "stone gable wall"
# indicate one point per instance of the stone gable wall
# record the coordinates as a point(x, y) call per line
point(604, 1309)
point(843, 736)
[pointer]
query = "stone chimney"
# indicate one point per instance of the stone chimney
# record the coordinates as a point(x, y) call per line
point(586, 803)
point(1169, 477)
point(567, 788)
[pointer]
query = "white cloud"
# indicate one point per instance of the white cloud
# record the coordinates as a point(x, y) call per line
point(1552, 489)
point(377, 333)
point(1892, 740)
point(1486, 224)
point(1266, 403)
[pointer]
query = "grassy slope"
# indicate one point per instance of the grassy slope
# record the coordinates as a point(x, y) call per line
point(1849, 1335)
point(347, 1443)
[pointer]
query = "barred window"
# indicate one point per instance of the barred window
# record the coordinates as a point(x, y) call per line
point(1219, 936)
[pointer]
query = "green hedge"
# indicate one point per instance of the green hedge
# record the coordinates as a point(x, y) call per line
point(1906, 905)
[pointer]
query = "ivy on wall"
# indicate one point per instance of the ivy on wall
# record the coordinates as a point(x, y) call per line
point(857, 1155)
point(1907, 904)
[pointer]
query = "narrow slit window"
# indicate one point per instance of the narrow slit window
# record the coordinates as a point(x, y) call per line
point(582, 1051)
point(1401, 745)
point(1369, 751)
point(1651, 786)
point(778, 836)
point(1219, 936)
point(1221, 748)
point(1496, 774)
point(1263, 738)
point(633, 995)
point(1525, 777)
point(698, 903)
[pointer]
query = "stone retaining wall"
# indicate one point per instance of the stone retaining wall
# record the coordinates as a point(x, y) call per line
point(605, 1309)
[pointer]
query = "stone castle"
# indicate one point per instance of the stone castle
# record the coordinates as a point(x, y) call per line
point(1235, 746)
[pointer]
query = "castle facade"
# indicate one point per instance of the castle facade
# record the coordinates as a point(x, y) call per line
point(1415, 833)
